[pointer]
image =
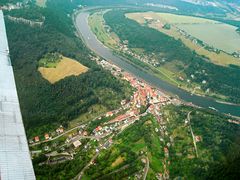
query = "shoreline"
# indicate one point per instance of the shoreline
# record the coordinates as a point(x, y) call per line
point(195, 99)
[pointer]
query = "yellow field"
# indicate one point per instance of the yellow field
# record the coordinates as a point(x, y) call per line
point(66, 67)
point(118, 161)
point(158, 19)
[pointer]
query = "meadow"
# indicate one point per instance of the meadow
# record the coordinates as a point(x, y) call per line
point(66, 67)
point(216, 34)
point(97, 24)
point(220, 36)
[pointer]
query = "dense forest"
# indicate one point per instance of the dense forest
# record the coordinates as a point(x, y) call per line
point(153, 41)
point(44, 105)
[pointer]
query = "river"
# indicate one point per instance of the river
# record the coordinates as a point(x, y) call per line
point(81, 22)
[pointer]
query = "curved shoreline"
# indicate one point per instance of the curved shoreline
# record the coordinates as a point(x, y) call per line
point(81, 22)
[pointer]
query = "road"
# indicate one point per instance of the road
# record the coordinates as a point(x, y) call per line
point(146, 169)
point(66, 132)
point(190, 126)
point(118, 170)
point(79, 176)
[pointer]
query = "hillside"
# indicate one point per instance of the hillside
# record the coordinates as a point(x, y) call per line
point(172, 55)
point(156, 148)
point(87, 118)
point(46, 106)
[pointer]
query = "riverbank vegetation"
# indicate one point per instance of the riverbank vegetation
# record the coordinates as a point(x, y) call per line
point(191, 68)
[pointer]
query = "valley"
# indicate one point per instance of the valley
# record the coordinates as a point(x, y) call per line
point(127, 89)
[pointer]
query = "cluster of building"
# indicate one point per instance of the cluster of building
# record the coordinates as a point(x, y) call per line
point(117, 124)
point(144, 94)
point(47, 137)
point(144, 58)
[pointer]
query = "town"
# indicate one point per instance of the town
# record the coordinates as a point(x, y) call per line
point(145, 99)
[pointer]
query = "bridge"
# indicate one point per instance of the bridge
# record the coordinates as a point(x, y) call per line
point(15, 160)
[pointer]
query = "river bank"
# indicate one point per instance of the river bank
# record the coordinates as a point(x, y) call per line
point(84, 31)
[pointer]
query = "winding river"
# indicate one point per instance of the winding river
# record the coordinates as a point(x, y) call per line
point(81, 22)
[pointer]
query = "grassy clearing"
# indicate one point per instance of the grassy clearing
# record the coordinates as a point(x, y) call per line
point(66, 67)
point(158, 19)
point(92, 112)
point(118, 161)
point(97, 24)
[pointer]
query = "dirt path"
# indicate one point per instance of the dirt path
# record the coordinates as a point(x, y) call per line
point(194, 140)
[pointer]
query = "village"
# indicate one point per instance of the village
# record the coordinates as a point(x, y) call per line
point(145, 99)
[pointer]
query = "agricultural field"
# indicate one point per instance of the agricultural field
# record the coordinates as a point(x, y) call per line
point(208, 31)
point(221, 36)
point(62, 69)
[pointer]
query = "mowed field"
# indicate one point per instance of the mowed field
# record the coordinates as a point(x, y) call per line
point(66, 67)
point(220, 36)
point(210, 32)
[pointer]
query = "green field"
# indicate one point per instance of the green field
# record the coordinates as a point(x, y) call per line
point(97, 24)
point(208, 31)
point(50, 60)
point(219, 35)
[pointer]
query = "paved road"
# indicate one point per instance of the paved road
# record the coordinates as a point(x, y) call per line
point(66, 132)
point(194, 140)
point(79, 176)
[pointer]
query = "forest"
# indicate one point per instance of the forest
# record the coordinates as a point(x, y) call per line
point(45, 106)
point(217, 149)
point(153, 41)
